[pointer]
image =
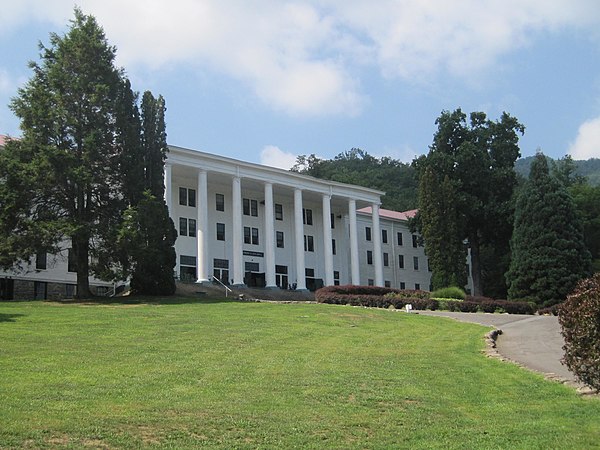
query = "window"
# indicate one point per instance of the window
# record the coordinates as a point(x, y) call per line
point(220, 231)
point(402, 285)
point(70, 290)
point(187, 197)
point(399, 237)
point(220, 202)
point(281, 277)
point(309, 272)
point(336, 277)
point(370, 282)
point(278, 211)
point(187, 227)
point(250, 207)
point(401, 261)
point(40, 290)
point(309, 244)
point(251, 267)
point(416, 262)
point(250, 235)
point(417, 286)
point(221, 270)
point(192, 227)
point(368, 233)
point(415, 241)
point(307, 216)
point(332, 221)
point(187, 268)
point(183, 225)
point(254, 236)
point(279, 239)
point(41, 261)
point(369, 257)
point(333, 250)
point(387, 284)
point(71, 261)
point(247, 238)
point(384, 236)
point(386, 259)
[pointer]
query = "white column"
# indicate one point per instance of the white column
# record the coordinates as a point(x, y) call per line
point(168, 187)
point(377, 255)
point(299, 240)
point(328, 249)
point(354, 264)
point(237, 233)
point(202, 227)
point(269, 237)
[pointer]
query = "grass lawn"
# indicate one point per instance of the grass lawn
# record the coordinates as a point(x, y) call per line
point(254, 375)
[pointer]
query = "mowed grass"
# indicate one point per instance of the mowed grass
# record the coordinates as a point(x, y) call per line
point(254, 375)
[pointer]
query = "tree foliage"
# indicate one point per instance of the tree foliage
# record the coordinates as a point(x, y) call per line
point(587, 204)
point(358, 167)
point(548, 252)
point(478, 157)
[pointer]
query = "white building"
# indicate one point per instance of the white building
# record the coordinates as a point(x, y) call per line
point(252, 225)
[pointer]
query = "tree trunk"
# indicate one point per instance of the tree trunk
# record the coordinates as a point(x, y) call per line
point(475, 264)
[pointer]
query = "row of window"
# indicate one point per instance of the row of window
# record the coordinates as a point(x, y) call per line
point(384, 237)
point(386, 260)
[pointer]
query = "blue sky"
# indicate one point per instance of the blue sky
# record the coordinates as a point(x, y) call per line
point(264, 81)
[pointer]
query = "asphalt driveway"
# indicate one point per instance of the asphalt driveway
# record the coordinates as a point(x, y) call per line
point(532, 341)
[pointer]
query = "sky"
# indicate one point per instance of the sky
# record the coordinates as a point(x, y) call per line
point(264, 81)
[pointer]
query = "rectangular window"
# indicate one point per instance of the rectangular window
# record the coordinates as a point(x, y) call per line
point(71, 261)
point(192, 227)
point(183, 226)
point(386, 260)
point(415, 241)
point(307, 216)
point(336, 277)
point(399, 236)
point(370, 282)
point(309, 244)
point(187, 197)
point(332, 221)
point(401, 261)
point(40, 290)
point(369, 257)
point(254, 236)
point(250, 235)
point(384, 236)
point(41, 261)
point(417, 286)
point(309, 272)
point(183, 196)
point(250, 207)
point(387, 284)
point(279, 239)
point(220, 231)
point(219, 263)
point(192, 197)
point(402, 285)
point(221, 270)
point(333, 249)
point(281, 278)
point(247, 238)
point(70, 290)
point(368, 233)
point(251, 267)
point(246, 206)
point(416, 262)
point(220, 202)
point(278, 211)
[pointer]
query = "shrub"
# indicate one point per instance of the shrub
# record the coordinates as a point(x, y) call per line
point(449, 292)
point(374, 297)
point(579, 318)
point(550, 310)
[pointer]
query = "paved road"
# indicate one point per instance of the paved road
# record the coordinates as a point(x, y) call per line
point(533, 341)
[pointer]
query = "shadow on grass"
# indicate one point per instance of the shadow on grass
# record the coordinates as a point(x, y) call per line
point(147, 300)
point(9, 317)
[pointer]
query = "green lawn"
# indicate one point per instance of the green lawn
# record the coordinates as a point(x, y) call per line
point(255, 375)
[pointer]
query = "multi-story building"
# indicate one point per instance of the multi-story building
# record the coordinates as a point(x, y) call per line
point(251, 225)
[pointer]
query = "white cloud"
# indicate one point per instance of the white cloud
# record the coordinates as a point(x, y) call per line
point(275, 157)
point(587, 143)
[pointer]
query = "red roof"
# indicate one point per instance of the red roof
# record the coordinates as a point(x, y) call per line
point(389, 214)
point(3, 140)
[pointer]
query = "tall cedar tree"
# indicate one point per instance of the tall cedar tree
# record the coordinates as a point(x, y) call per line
point(63, 177)
point(148, 234)
point(548, 252)
point(479, 159)
point(439, 219)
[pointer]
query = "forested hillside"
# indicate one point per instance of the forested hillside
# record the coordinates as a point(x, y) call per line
point(589, 169)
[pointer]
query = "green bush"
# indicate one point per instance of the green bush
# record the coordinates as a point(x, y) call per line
point(449, 292)
point(579, 318)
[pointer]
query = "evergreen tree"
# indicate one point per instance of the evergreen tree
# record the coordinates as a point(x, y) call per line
point(548, 252)
point(439, 219)
point(62, 184)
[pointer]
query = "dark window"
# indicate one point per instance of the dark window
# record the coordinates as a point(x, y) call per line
point(333, 250)
point(309, 272)
point(247, 239)
point(250, 235)
point(416, 262)
point(281, 269)
point(221, 270)
point(183, 226)
point(368, 233)
point(279, 239)
point(220, 202)
point(384, 236)
point(307, 216)
point(250, 207)
point(183, 196)
point(281, 278)
point(309, 244)
point(387, 284)
point(220, 263)
point(417, 286)
point(254, 236)
point(369, 257)
point(370, 282)
point(187, 197)
point(402, 285)
point(220, 231)
point(278, 211)
point(336, 277)
point(415, 241)
point(399, 238)
point(70, 290)
point(41, 261)
point(71, 261)
point(191, 197)
point(251, 267)
point(401, 261)
point(246, 206)
point(192, 227)
point(185, 260)
point(386, 260)
point(40, 290)
point(332, 220)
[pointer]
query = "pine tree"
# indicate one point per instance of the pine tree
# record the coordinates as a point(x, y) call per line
point(548, 252)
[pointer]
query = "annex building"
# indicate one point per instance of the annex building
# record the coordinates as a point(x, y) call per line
point(251, 225)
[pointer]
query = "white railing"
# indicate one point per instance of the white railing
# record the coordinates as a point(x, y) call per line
point(221, 283)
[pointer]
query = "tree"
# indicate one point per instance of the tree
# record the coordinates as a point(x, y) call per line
point(587, 204)
point(548, 252)
point(439, 218)
point(66, 167)
point(479, 159)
